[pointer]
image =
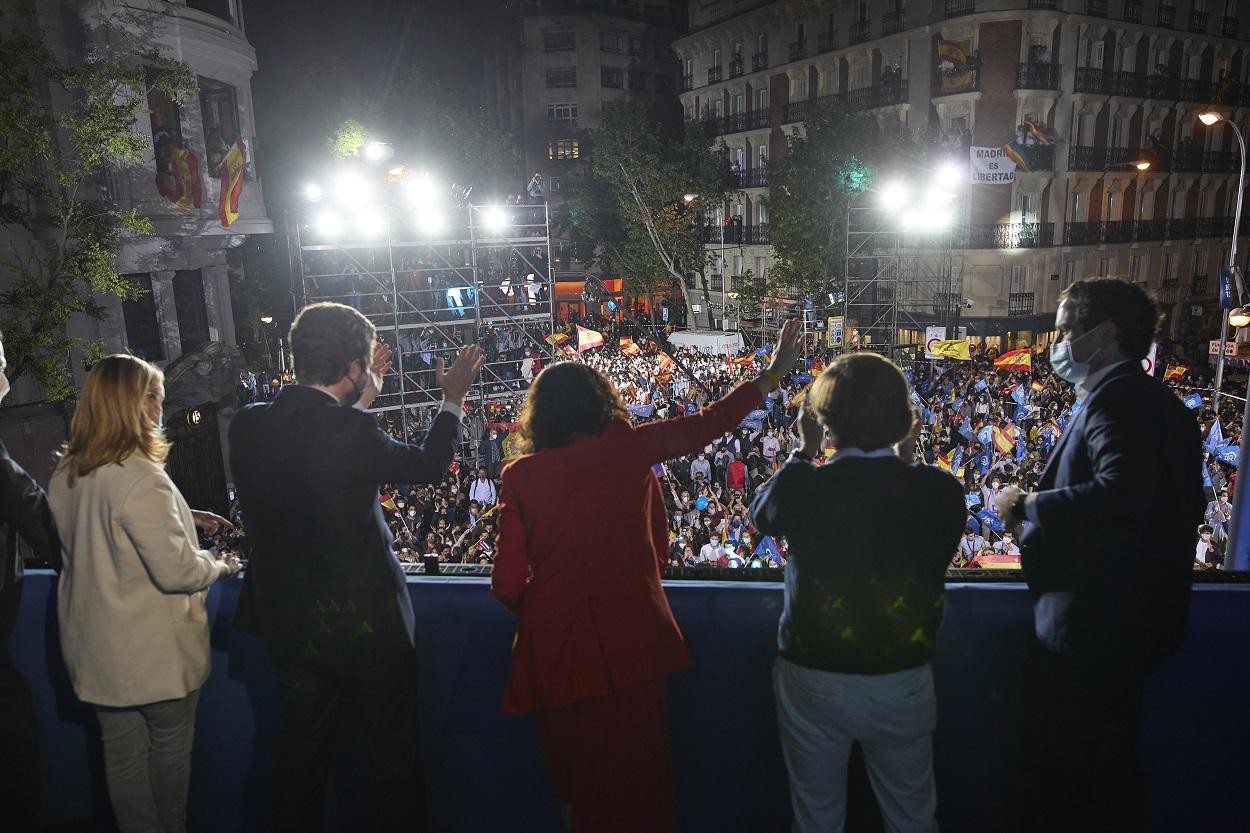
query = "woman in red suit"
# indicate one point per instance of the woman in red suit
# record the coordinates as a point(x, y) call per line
point(582, 541)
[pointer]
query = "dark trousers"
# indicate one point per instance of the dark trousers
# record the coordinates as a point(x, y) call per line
point(19, 752)
point(382, 700)
point(1081, 727)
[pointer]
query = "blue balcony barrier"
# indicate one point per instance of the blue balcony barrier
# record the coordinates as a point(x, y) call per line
point(483, 771)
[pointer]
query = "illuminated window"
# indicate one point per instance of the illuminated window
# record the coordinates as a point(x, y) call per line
point(563, 149)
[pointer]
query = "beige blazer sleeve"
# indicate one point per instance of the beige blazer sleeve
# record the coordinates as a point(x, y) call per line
point(160, 526)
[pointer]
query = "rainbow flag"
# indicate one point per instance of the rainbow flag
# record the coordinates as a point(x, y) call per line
point(588, 339)
point(1014, 155)
point(1015, 360)
point(231, 184)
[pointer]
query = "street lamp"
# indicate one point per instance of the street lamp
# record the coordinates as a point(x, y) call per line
point(1238, 557)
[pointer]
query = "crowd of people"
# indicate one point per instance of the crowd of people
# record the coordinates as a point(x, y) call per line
point(991, 427)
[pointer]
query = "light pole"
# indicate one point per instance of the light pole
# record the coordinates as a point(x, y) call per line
point(1238, 555)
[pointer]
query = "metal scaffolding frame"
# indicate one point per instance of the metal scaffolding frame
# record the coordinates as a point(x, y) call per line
point(897, 280)
point(490, 265)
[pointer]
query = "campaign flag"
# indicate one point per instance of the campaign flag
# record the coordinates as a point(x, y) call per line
point(799, 396)
point(1015, 360)
point(958, 403)
point(556, 339)
point(989, 518)
point(768, 549)
point(985, 435)
point(907, 374)
point(1020, 448)
point(980, 386)
point(800, 378)
point(753, 424)
point(965, 430)
point(1226, 288)
point(658, 468)
point(1021, 414)
point(1206, 476)
point(1228, 454)
point(1002, 442)
point(957, 461)
point(972, 500)
point(951, 349)
point(1037, 387)
point(763, 351)
point(1018, 394)
point(1193, 402)
point(588, 339)
point(1215, 437)
point(1076, 407)
point(1175, 371)
point(644, 411)
point(983, 462)
point(758, 414)
point(631, 349)
point(231, 184)
point(691, 407)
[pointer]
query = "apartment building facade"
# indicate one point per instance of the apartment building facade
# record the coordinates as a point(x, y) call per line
point(184, 268)
point(555, 64)
point(1108, 82)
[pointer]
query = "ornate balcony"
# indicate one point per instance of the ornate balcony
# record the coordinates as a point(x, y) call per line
point(861, 31)
point(1162, 87)
point(957, 81)
point(1044, 5)
point(1198, 22)
point(759, 61)
point(755, 178)
point(893, 22)
point(735, 67)
point(1020, 304)
point(1229, 27)
point(798, 50)
point(713, 74)
point(1011, 236)
point(687, 83)
point(1037, 76)
point(1090, 80)
point(1096, 8)
point(756, 235)
point(1214, 227)
point(1132, 11)
point(825, 42)
point(1166, 17)
point(1082, 234)
point(1131, 84)
point(959, 8)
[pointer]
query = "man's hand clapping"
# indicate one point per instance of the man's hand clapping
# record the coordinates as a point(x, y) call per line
point(456, 380)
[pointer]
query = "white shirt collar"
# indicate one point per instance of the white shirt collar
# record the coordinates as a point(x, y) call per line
point(859, 452)
point(1092, 382)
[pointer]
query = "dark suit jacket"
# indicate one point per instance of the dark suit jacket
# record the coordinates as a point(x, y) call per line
point(323, 583)
point(1110, 560)
point(23, 512)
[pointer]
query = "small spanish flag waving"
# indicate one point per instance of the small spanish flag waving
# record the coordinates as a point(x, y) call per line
point(231, 184)
point(1175, 371)
point(1015, 360)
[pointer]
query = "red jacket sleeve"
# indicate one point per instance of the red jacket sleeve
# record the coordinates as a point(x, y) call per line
point(511, 571)
point(660, 441)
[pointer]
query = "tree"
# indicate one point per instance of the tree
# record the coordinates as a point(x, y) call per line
point(67, 238)
point(829, 163)
point(632, 203)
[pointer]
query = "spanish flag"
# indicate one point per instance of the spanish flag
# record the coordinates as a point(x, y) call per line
point(943, 462)
point(665, 362)
point(1037, 387)
point(556, 339)
point(569, 351)
point(952, 349)
point(631, 349)
point(389, 503)
point(626, 340)
point(952, 53)
point(740, 361)
point(588, 339)
point(1175, 371)
point(182, 185)
point(231, 184)
point(1014, 156)
point(799, 396)
point(1015, 360)
point(1002, 442)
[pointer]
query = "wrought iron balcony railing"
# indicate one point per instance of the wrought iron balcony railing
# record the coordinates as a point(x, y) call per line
point(759, 61)
point(1198, 22)
point(1166, 16)
point(1020, 304)
point(735, 67)
point(825, 42)
point(1229, 27)
point(1096, 8)
point(798, 50)
point(1037, 76)
point(713, 74)
point(1132, 11)
point(1010, 236)
point(893, 22)
point(861, 30)
point(959, 8)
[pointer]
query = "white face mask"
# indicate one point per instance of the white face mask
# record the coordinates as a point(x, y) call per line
point(1065, 365)
point(4, 386)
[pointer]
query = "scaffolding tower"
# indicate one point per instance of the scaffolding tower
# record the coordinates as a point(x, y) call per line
point(897, 280)
point(475, 274)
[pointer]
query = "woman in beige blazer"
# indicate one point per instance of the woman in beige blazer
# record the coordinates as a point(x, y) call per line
point(134, 629)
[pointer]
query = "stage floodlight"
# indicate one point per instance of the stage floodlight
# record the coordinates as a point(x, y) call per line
point(312, 192)
point(377, 151)
point(371, 223)
point(351, 189)
point(430, 223)
point(328, 224)
point(495, 220)
point(948, 175)
point(893, 196)
point(421, 190)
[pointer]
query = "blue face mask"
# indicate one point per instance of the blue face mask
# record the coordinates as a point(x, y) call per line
point(1065, 366)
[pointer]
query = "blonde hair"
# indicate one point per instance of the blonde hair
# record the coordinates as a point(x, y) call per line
point(111, 423)
point(861, 398)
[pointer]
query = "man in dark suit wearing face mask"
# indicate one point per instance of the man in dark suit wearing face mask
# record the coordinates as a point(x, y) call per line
point(1108, 553)
point(324, 592)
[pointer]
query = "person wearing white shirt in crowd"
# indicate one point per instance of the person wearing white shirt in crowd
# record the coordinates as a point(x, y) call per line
point(701, 467)
point(483, 489)
point(1207, 551)
point(771, 445)
point(990, 492)
point(1219, 511)
point(709, 553)
point(1007, 546)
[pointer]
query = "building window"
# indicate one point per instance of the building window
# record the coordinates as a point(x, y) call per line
point(561, 77)
point(143, 332)
point(761, 267)
point(716, 57)
point(553, 184)
point(166, 119)
point(739, 261)
point(689, 112)
point(761, 44)
point(639, 46)
point(220, 111)
point(559, 40)
point(1019, 279)
point(761, 99)
point(563, 149)
point(762, 157)
point(613, 77)
point(799, 88)
point(1165, 272)
point(718, 108)
point(1104, 267)
point(566, 111)
point(611, 42)
point(638, 81)
point(761, 213)
point(1069, 273)
point(1078, 207)
point(737, 104)
point(217, 8)
point(192, 311)
point(1135, 273)
point(1027, 214)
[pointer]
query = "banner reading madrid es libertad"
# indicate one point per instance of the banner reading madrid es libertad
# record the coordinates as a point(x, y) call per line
point(992, 166)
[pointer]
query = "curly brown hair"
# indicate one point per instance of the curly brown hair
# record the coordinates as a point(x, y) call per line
point(565, 401)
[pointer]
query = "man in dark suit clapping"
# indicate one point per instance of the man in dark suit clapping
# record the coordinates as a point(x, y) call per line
point(1108, 553)
point(323, 590)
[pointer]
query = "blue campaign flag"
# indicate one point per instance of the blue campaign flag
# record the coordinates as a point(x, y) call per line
point(989, 518)
point(965, 430)
point(1020, 447)
point(763, 351)
point(658, 468)
point(926, 387)
point(700, 503)
point(983, 462)
point(1021, 414)
point(753, 424)
point(914, 397)
point(691, 407)
point(972, 500)
point(1228, 454)
point(957, 460)
point(1215, 437)
point(768, 549)
point(1206, 477)
point(800, 378)
point(644, 411)
point(756, 415)
point(1018, 394)
point(980, 386)
point(1076, 407)
point(986, 435)
point(958, 403)
point(1193, 402)
point(907, 374)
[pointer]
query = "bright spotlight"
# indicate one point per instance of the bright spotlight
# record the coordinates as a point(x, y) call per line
point(352, 189)
point(328, 223)
point(430, 223)
point(948, 175)
point(312, 192)
point(893, 196)
point(910, 218)
point(1143, 165)
point(495, 220)
point(371, 223)
point(377, 151)
point(421, 190)
point(1210, 117)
